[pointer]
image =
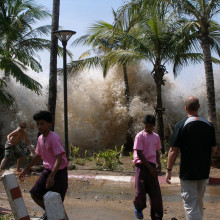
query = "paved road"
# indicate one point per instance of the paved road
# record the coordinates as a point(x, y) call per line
point(106, 200)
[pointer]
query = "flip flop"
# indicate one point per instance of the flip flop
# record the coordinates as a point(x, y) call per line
point(43, 217)
point(138, 215)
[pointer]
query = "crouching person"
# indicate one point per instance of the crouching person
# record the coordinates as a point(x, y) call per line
point(146, 156)
point(49, 148)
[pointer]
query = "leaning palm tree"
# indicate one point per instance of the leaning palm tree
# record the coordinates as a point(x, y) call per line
point(197, 17)
point(19, 42)
point(104, 38)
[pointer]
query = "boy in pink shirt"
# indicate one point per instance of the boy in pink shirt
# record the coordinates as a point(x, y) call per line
point(146, 157)
point(50, 150)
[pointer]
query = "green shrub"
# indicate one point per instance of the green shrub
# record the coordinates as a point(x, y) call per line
point(6, 217)
point(108, 159)
point(74, 151)
point(81, 162)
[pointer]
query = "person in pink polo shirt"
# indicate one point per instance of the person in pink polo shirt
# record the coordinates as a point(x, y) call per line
point(50, 150)
point(146, 157)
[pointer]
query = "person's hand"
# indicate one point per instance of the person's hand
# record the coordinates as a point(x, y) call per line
point(50, 181)
point(168, 177)
point(158, 168)
point(22, 175)
point(153, 171)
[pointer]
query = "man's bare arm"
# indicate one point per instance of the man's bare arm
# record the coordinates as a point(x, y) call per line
point(172, 155)
point(12, 134)
point(35, 160)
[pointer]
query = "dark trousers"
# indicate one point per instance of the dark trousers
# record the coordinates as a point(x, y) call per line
point(60, 184)
point(145, 183)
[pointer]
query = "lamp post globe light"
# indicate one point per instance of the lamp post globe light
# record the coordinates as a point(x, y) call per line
point(64, 36)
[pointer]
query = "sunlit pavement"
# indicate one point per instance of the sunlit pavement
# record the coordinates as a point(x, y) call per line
point(112, 200)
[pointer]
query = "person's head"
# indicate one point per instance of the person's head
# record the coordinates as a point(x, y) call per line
point(22, 125)
point(192, 105)
point(44, 121)
point(149, 123)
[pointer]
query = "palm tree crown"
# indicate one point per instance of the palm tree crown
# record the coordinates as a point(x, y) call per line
point(19, 42)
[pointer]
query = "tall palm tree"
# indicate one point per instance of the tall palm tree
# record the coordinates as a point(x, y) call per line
point(198, 20)
point(53, 61)
point(19, 42)
point(154, 40)
point(104, 37)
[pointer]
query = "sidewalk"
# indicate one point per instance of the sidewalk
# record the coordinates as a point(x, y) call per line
point(130, 179)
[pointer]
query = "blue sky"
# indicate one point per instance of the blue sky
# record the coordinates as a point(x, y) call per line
point(78, 15)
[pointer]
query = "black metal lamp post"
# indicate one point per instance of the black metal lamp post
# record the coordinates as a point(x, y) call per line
point(64, 36)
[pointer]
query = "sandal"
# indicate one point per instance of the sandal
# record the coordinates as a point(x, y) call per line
point(43, 217)
point(138, 215)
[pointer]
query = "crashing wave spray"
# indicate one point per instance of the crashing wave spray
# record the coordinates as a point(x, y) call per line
point(97, 115)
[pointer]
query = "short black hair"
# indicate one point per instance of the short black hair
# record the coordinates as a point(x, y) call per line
point(43, 115)
point(149, 119)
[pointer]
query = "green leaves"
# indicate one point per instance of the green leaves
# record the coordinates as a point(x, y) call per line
point(19, 42)
point(108, 159)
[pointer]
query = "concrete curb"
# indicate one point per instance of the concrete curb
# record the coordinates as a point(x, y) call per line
point(130, 179)
point(127, 179)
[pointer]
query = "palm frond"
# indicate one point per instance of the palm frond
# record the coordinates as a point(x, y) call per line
point(75, 67)
point(16, 71)
point(5, 98)
point(185, 59)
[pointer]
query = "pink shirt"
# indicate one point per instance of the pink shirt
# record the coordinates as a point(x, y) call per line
point(48, 148)
point(148, 144)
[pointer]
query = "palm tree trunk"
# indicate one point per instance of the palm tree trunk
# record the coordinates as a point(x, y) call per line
point(159, 112)
point(210, 87)
point(53, 61)
point(129, 139)
point(158, 73)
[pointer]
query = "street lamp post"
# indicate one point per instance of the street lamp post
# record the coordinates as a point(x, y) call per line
point(64, 36)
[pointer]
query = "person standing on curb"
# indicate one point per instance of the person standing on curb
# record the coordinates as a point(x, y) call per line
point(146, 156)
point(195, 138)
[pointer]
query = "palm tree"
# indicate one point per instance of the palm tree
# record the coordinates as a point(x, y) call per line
point(53, 61)
point(104, 38)
point(19, 42)
point(154, 40)
point(198, 21)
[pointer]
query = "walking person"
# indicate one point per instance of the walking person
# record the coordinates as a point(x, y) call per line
point(194, 137)
point(50, 150)
point(146, 156)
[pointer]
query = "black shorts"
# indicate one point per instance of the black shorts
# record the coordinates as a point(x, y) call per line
point(60, 184)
